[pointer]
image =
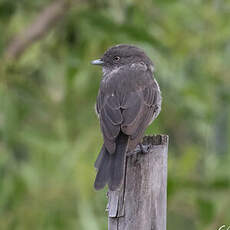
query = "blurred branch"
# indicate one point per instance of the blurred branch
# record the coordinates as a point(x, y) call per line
point(44, 22)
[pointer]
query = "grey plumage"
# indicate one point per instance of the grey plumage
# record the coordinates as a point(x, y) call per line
point(128, 101)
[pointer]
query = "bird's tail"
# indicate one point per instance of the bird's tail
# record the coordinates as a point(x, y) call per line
point(111, 166)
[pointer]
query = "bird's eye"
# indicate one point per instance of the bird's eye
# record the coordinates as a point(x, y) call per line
point(116, 58)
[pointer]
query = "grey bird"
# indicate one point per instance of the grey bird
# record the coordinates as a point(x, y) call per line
point(129, 99)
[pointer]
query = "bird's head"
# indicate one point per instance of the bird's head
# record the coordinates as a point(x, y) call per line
point(121, 55)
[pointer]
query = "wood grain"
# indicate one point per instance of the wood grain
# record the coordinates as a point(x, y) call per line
point(140, 203)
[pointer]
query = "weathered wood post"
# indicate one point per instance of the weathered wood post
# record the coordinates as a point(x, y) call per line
point(140, 204)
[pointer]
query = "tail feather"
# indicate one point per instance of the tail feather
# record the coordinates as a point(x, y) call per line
point(102, 164)
point(118, 163)
point(111, 166)
point(100, 157)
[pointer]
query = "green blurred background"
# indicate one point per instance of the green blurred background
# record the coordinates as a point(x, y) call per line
point(50, 135)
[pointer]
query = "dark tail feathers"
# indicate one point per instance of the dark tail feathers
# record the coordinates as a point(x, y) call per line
point(111, 166)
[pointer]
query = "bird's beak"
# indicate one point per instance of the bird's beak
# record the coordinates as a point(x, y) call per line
point(97, 62)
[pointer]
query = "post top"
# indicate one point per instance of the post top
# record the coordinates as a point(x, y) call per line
point(159, 139)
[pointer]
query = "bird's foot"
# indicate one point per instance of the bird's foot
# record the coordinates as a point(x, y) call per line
point(144, 149)
point(140, 149)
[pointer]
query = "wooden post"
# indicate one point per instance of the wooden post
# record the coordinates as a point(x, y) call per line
point(140, 204)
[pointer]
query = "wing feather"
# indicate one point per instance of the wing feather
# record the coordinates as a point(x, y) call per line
point(110, 119)
point(132, 108)
point(114, 115)
point(139, 113)
point(109, 143)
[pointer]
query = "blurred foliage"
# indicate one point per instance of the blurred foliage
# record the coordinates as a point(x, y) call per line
point(49, 133)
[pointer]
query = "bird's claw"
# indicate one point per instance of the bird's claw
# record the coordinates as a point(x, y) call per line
point(144, 149)
point(140, 148)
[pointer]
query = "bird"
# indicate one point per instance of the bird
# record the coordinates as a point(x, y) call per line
point(128, 101)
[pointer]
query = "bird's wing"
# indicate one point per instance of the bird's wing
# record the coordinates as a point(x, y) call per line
point(110, 117)
point(140, 109)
